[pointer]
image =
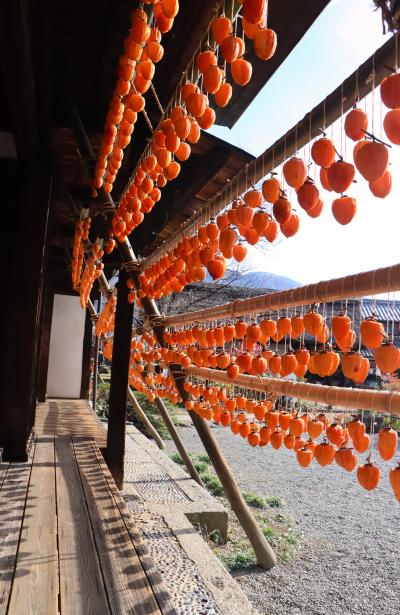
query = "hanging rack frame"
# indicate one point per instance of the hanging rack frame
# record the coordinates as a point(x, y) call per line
point(383, 402)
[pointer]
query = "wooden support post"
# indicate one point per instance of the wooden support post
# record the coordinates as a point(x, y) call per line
point(119, 382)
point(95, 371)
point(152, 432)
point(266, 557)
point(86, 355)
point(22, 312)
point(96, 351)
point(178, 442)
point(48, 300)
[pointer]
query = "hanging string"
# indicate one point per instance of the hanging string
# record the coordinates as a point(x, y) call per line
point(373, 95)
point(393, 317)
point(356, 92)
point(341, 121)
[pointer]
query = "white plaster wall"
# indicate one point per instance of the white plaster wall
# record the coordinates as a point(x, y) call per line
point(66, 342)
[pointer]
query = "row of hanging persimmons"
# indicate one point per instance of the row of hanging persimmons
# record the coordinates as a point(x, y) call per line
point(83, 278)
point(172, 141)
point(212, 346)
point(145, 381)
point(264, 422)
point(136, 69)
point(262, 213)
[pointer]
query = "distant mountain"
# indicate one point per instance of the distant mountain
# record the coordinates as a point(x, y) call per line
point(264, 279)
point(257, 279)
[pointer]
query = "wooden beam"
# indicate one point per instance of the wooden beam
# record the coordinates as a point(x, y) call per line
point(22, 313)
point(18, 73)
point(95, 370)
point(178, 442)
point(44, 351)
point(151, 431)
point(86, 356)
point(265, 555)
point(119, 382)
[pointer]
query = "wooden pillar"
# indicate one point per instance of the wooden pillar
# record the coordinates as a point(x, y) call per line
point(119, 382)
point(96, 352)
point(44, 344)
point(86, 355)
point(178, 442)
point(95, 371)
point(22, 313)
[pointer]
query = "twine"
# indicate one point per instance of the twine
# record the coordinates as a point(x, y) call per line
point(131, 266)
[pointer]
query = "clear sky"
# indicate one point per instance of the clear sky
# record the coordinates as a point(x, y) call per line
point(345, 34)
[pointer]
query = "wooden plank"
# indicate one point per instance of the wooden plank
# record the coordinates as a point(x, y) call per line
point(157, 583)
point(35, 587)
point(81, 583)
point(12, 506)
point(126, 583)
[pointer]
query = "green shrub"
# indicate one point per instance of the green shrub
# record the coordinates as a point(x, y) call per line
point(274, 501)
point(212, 482)
point(257, 501)
point(244, 558)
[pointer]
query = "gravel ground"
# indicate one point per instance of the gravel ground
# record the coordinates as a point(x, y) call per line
point(348, 563)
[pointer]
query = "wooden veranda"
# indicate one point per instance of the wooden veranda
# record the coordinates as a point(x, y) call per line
point(68, 543)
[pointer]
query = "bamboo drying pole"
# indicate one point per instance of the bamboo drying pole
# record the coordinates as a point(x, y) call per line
point(383, 402)
point(355, 87)
point(373, 282)
point(153, 433)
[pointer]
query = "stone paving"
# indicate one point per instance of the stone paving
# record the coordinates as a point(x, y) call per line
point(181, 576)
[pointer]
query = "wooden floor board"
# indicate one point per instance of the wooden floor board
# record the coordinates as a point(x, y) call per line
point(129, 591)
point(81, 582)
point(69, 417)
point(12, 506)
point(35, 586)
